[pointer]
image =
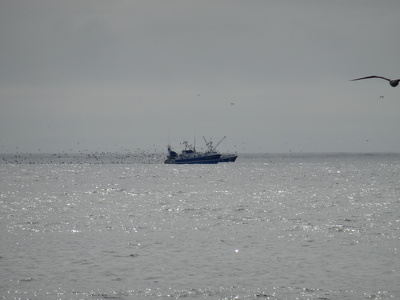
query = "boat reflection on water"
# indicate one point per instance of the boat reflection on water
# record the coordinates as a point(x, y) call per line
point(189, 155)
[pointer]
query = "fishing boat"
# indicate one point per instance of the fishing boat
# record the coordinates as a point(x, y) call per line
point(190, 156)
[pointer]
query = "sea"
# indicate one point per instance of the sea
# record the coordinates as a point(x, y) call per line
point(268, 226)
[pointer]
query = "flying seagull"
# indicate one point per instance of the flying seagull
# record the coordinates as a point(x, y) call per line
point(392, 82)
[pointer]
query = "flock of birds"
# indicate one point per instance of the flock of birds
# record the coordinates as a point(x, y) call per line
point(136, 157)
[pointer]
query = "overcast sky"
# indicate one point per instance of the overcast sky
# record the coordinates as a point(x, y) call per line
point(272, 76)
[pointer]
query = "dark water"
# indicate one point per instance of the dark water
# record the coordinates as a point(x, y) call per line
point(265, 227)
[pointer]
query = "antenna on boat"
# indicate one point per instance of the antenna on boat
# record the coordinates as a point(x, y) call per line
point(194, 141)
point(168, 137)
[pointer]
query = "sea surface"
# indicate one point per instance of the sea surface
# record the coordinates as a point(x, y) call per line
point(270, 226)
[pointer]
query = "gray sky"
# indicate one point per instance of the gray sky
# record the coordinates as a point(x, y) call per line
point(102, 75)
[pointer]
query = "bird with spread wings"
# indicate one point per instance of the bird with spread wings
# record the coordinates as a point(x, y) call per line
point(392, 82)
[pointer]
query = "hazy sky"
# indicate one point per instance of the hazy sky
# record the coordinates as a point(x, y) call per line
point(103, 75)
